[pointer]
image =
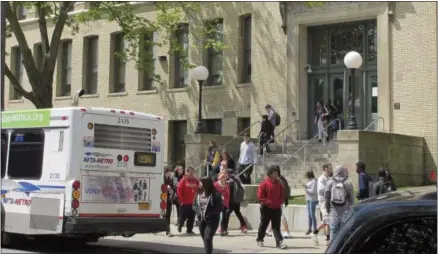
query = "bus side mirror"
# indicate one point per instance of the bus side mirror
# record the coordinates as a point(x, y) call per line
point(76, 97)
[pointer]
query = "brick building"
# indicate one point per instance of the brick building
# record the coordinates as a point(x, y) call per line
point(248, 77)
point(395, 87)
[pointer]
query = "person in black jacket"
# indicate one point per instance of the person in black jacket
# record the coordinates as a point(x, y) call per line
point(265, 135)
point(171, 190)
point(208, 207)
point(385, 183)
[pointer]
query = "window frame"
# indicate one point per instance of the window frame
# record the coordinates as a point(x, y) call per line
point(209, 123)
point(214, 57)
point(246, 33)
point(147, 73)
point(119, 64)
point(91, 64)
point(18, 71)
point(181, 56)
point(66, 68)
point(42, 151)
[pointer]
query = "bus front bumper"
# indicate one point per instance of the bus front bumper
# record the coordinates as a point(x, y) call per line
point(114, 225)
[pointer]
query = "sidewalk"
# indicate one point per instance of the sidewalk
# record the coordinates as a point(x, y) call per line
point(236, 242)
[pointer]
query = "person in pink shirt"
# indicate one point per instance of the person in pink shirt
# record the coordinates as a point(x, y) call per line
point(224, 189)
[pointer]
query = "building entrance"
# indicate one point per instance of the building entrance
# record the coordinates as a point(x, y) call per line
point(331, 81)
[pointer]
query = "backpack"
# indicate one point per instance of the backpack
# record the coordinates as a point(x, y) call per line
point(238, 191)
point(286, 187)
point(370, 185)
point(277, 119)
point(338, 194)
point(386, 187)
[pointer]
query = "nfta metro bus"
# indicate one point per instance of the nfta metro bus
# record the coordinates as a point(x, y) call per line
point(83, 172)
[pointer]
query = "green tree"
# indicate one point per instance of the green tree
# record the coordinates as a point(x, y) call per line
point(132, 25)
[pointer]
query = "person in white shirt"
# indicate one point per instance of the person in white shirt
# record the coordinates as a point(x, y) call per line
point(324, 215)
point(312, 200)
point(247, 158)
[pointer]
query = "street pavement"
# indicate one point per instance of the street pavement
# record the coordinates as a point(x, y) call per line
point(236, 242)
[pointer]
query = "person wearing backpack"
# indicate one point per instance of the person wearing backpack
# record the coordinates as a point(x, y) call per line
point(265, 134)
point(385, 183)
point(236, 197)
point(273, 117)
point(365, 181)
point(339, 197)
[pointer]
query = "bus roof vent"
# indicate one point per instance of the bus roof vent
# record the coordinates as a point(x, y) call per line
point(121, 137)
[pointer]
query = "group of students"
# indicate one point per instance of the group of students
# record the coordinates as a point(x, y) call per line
point(333, 192)
point(209, 201)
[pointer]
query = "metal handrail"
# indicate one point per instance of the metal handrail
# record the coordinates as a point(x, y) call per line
point(374, 122)
point(308, 142)
point(229, 141)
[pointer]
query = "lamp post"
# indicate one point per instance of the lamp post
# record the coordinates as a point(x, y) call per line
point(353, 61)
point(200, 73)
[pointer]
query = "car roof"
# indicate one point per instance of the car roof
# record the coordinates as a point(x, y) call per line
point(421, 201)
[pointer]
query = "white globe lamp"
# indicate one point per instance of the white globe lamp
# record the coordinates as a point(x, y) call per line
point(200, 73)
point(353, 60)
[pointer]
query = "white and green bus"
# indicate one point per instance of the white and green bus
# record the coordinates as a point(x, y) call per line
point(81, 172)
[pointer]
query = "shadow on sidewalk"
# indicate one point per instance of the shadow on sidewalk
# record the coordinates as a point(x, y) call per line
point(149, 247)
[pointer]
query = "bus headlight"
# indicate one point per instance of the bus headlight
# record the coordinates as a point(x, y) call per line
point(76, 194)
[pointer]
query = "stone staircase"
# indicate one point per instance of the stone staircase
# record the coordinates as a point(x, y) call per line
point(295, 168)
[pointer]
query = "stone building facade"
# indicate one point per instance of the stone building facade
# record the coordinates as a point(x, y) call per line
point(253, 72)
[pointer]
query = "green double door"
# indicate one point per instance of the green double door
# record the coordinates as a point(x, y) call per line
point(337, 87)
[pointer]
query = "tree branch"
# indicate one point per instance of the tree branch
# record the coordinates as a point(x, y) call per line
point(42, 23)
point(17, 86)
point(28, 62)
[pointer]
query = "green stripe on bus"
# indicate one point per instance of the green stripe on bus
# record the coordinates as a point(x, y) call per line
point(26, 118)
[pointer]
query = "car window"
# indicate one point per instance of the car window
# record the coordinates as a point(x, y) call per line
point(406, 236)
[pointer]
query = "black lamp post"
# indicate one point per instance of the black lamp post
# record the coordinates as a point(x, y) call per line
point(200, 73)
point(353, 61)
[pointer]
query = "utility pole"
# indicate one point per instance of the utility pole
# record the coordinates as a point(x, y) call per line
point(3, 53)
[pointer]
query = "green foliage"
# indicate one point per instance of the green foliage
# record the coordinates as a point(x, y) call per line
point(137, 29)
point(314, 4)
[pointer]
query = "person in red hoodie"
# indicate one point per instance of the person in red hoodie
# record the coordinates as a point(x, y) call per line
point(186, 191)
point(271, 197)
point(224, 189)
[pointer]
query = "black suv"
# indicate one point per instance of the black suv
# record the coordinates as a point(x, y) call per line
point(397, 222)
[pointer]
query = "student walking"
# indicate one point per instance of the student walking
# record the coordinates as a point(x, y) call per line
point(271, 197)
point(187, 189)
point(247, 158)
point(212, 158)
point(208, 206)
point(365, 181)
point(311, 201)
point(224, 189)
point(236, 197)
point(171, 189)
point(339, 197)
point(178, 174)
point(385, 183)
point(265, 135)
point(321, 186)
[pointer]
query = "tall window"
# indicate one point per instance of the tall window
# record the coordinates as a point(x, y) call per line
point(242, 124)
point(38, 54)
point(17, 70)
point(91, 68)
point(181, 56)
point(245, 45)
point(214, 30)
point(26, 154)
point(64, 86)
point(21, 13)
point(148, 57)
point(118, 71)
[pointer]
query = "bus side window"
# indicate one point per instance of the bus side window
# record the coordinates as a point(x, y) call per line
point(4, 152)
point(26, 152)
